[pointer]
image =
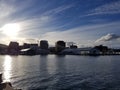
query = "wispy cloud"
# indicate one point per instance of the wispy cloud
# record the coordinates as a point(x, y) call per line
point(45, 21)
point(37, 24)
point(5, 10)
point(108, 37)
point(110, 8)
point(31, 24)
point(58, 10)
point(82, 35)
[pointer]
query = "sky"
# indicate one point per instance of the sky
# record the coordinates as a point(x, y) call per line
point(84, 22)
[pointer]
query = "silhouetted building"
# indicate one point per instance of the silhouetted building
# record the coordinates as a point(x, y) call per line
point(13, 48)
point(60, 45)
point(3, 49)
point(73, 46)
point(26, 45)
point(102, 49)
point(115, 51)
point(30, 49)
point(44, 44)
point(52, 50)
point(34, 46)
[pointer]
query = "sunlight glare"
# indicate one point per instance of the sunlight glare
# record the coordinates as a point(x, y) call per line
point(7, 68)
point(11, 30)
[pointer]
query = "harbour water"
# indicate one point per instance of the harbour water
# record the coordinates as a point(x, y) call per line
point(68, 72)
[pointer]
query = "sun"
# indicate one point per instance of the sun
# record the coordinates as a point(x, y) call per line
point(11, 30)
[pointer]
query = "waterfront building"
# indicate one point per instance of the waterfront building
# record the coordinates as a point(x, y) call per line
point(52, 50)
point(59, 46)
point(81, 51)
point(73, 46)
point(34, 46)
point(44, 44)
point(26, 45)
point(13, 48)
point(102, 49)
point(3, 49)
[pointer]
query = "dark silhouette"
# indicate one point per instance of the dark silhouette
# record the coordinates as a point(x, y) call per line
point(60, 49)
point(59, 46)
point(103, 49)
point(13, 48)
point(44, 44)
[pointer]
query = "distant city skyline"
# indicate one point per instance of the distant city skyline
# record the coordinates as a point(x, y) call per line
point(84, 22)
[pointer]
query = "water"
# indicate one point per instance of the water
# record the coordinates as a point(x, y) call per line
point(62, 72)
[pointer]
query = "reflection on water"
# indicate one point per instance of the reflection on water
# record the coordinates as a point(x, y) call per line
point(7, 68)
point(62, 72)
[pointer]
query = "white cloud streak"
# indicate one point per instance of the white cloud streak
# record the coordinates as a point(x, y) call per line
point(58, 10)
point(110, 8)
point(82, 35)
point(5, 10)
point(32, 26)
point(38, 26)
point(108, 37)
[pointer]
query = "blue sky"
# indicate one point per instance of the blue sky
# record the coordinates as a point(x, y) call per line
point(85, 22)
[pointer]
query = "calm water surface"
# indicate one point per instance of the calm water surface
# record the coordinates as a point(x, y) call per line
point(62, 72)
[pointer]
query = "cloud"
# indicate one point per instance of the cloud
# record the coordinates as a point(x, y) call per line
point(109, 8)
point(43, 23)
point(58, 10)
point(108, 37)
point(33, 25)
point(31, 40)
point(85, 35)
point(5, 10)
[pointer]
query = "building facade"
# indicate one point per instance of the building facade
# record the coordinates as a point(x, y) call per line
point(44, 44)
point(59, 46)
point(13, 48)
